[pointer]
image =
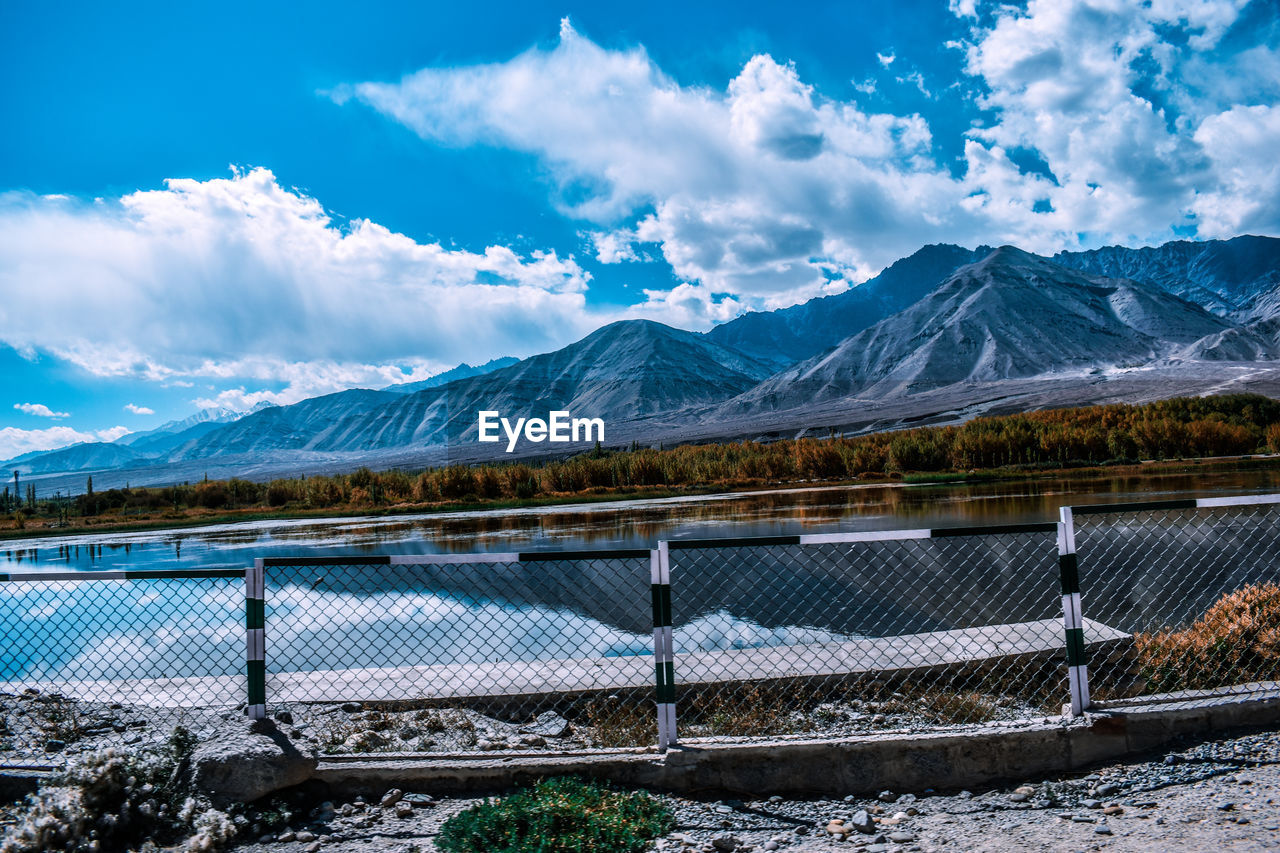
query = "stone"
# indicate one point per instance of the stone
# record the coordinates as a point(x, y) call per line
point(313, 847)
point(404, 809)
point(1113, 810)
point(132, 738)
point(533, 740)
point(1102, 829)
point(54, 745)
point(306, 837)
point(547, 724)
point(351, 707)
point(390, 798)
point(725, 843)
point(1018, 798)
point(1091, 804)
point(771, 845)
point(244, 761)
point(287, 835)
point(863, 822)
point(409, 732)
point(887, 797)
point(284, 716)
point(420, 799)
point(1025, 790)
point(901, 837)
point(365, 741)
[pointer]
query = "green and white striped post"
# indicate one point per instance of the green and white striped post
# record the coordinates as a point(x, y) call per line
point(663, 652)
point(255, 639)
point(1072, 615)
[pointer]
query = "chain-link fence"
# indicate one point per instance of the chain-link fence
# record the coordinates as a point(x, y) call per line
point(92, 657)
point(844, 633)
point(827, 634)
point(1194, 584)
point(462, 653)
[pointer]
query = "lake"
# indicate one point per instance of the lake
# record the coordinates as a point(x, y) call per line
point(353, 617)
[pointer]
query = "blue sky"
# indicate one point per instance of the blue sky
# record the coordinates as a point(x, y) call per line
point(210, 205)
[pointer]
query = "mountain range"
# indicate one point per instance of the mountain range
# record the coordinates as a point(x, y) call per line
point(937, 337)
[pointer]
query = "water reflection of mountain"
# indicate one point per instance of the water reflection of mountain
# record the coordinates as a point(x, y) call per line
point(870, 589)
point(1141, 571)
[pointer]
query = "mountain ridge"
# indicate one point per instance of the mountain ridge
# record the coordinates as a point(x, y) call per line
point(1008, 316)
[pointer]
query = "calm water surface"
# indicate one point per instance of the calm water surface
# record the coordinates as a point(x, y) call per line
point(353, 617)
point(632, 524)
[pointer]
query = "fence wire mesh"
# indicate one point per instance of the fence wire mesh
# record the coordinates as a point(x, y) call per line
point(856, 636)
point(1194, 592)
point(461, 657)
point(91, 661)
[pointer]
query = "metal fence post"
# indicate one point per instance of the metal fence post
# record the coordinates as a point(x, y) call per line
point(663, 646)
point(255, 639)
point(1072, 616)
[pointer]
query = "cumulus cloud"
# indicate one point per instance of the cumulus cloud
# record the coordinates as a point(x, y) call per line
point(1144, 117)
point(40, 410)
point(182, 282)
point(138, 410)
point(1128, 108)
point(14, 441)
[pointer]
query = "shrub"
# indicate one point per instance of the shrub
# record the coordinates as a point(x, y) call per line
point(113, 799)
point(564, 814)
point(1237, 640)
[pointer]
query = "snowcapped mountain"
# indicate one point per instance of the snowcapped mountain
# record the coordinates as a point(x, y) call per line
point(1010, 315)
point(947, 326)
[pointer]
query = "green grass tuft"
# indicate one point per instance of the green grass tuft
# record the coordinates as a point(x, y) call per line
point(558, 816)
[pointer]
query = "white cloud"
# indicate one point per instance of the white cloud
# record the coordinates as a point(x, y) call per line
point(175, 284)
point(885, 59)
point(747, 186)
point(138, 410)
point(1135, 127)
point(688, 306)
point(767, 190)
point(1242, 144)
point(40, 410)
point(614, 247)
point(14, 441)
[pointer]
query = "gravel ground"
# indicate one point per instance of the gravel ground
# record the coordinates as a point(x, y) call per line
point(1213, 795)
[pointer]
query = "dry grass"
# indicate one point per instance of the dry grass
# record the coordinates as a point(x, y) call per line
point(1236, 641)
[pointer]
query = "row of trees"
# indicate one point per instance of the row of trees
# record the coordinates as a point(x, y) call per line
point(1181, 428)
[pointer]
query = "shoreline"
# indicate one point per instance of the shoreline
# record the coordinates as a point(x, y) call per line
point(602, 495)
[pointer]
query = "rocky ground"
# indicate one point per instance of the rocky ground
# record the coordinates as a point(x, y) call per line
point(37, 725)
point(1200, 796)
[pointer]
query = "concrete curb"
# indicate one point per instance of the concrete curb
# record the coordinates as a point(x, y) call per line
point(863, 765)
